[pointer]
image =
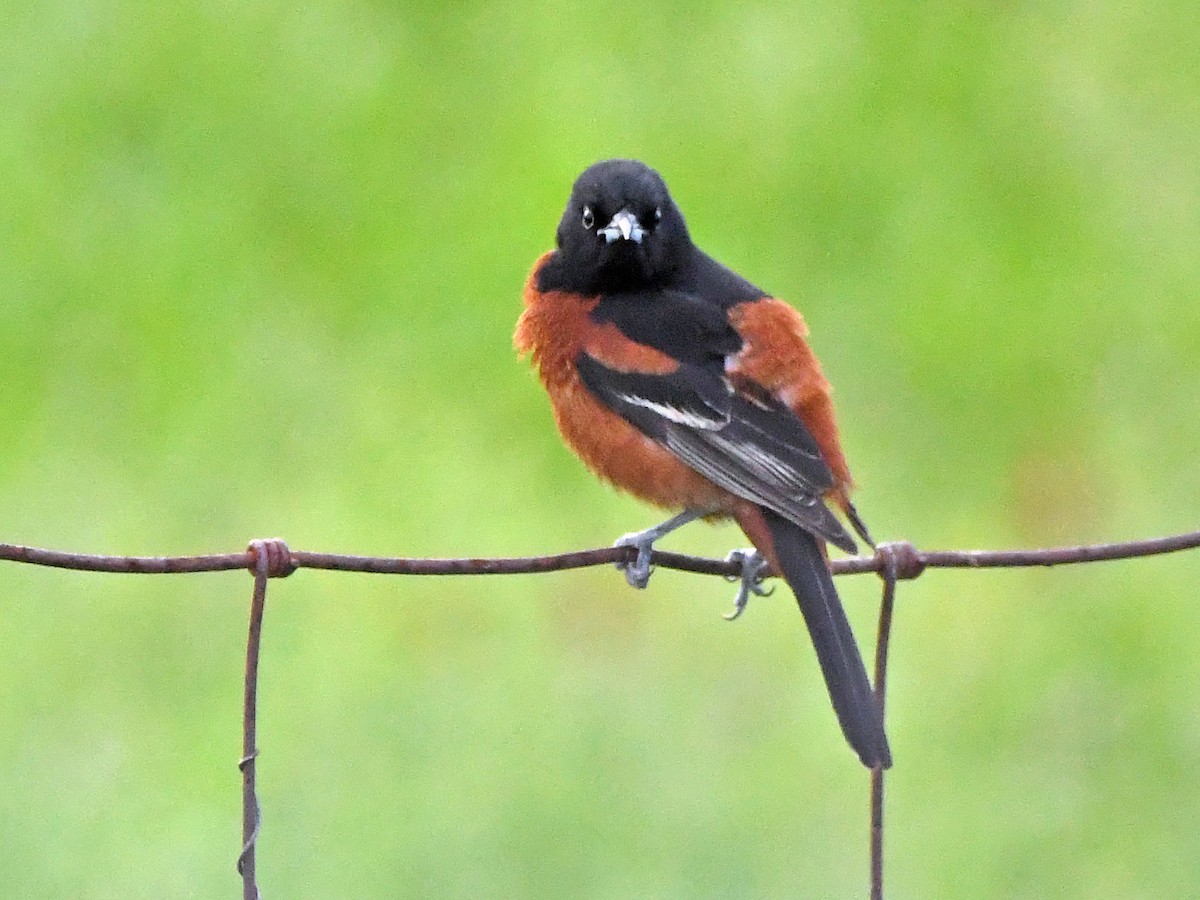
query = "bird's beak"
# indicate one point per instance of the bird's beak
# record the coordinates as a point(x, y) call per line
point(624, 226)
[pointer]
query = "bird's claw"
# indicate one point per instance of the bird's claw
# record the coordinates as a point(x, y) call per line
point(750, 582)
point(637, 573)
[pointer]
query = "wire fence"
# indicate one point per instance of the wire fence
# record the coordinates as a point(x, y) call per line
point(272, 558)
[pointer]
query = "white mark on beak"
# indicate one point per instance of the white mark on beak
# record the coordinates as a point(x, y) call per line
point(624, 226)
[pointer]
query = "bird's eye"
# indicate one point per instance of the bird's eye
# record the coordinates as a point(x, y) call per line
point(589, 218)
point(658, 214)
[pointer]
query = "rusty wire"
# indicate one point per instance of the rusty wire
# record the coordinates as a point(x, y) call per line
point(273, 559)
point(908, 560)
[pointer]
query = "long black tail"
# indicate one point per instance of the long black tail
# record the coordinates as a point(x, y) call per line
point(807, 572)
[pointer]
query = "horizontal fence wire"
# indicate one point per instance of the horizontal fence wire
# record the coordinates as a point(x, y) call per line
point(271, 558)
point(909, 562)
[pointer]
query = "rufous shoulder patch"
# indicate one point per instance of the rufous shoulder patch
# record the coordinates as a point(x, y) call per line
point(775, 356)
point(607, 344)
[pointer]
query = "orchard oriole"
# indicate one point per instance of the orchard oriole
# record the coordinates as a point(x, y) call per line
point(679, 381)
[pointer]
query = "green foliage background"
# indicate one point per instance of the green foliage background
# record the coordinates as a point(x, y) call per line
point(260, 267)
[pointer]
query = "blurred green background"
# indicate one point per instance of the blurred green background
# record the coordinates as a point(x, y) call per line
point(260, 267)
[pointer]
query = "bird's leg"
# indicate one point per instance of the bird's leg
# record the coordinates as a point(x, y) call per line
point(637, 573)
point(751, 579)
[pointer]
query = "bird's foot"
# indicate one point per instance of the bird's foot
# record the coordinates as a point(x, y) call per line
point(637, 573)
point(754, 564)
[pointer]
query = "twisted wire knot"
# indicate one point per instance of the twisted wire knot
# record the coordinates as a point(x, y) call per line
point(279, 558)
point(900, 559)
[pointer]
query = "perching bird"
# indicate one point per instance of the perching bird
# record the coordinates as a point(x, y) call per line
point(679, 381)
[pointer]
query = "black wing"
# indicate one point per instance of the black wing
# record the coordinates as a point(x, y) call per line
point(679, 323)
point(754, 447)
